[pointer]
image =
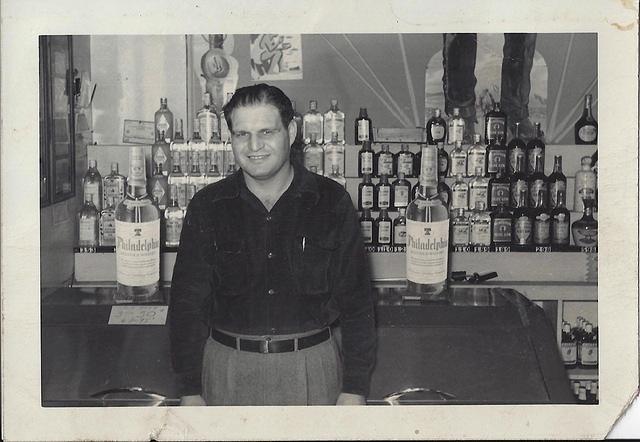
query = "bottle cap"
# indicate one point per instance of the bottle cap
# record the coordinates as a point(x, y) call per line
point(400, 175)
point(436, 113)
point(334, 102)
point(92, 163)
point(114, 167)
point(313, 104)
point(477, 138)
point(586, 161)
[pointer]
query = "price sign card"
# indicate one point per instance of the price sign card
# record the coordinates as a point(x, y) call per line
point(138, 315)
point(139, 132)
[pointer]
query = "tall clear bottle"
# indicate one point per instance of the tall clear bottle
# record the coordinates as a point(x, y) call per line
point(585, 184)
point(107, 223)
point(208, 118)
point(456, 127)
point(161, 155)
point(334, 122)
point(113, 185)
point(535, 149)
point(92, 185)
point(314, 156)
point(163, 121)
point(88, 224)
point(173, 219)
point(477, 157)
point(334, 155)
point(137, 237)
point(312, 123)
point(363, 127)
point(427, 234)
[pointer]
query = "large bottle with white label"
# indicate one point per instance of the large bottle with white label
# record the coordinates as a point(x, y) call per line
point(427, 234)
point(137, 237)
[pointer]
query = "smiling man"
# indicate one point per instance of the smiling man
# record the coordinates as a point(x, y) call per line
point(270, 298)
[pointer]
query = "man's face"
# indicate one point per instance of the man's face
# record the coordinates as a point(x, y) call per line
point(260, 141)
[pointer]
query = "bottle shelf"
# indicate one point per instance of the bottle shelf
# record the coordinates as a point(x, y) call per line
point(112, 249)
point(582, 374)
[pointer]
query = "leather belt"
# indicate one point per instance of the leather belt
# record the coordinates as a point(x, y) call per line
point(267, 345)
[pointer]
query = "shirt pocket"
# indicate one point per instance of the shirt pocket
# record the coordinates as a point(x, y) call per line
point(231, 267)
point(317, 254)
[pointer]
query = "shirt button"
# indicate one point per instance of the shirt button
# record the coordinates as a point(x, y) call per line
point(271, 292)
point(270, 255)
point(268, 218)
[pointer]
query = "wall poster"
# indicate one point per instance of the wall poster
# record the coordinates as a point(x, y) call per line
point(276, 56)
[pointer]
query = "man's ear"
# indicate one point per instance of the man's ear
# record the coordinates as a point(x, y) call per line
point(293, 131)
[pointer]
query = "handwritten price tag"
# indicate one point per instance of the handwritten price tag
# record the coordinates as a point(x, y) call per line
point(138, 315)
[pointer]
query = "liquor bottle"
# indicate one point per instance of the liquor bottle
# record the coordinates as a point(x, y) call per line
point(568, 347)
point(585, 230)
point(383, 162)
point(196, 178)
point(478, 189)
point(365, 193)
point(535, 149)
point(366, 227)
point(460, 229)
point(173, 219)
point(400, 190)
point(518, 183)
point(208, 118)
point(312, 123)
point(456, 127)
point(582, 396)
point(496, 156)
point(161, 154)
point(179, 180)
point(299, 140)
point(586, 128)
point(92, 184)
point(501, 225)
point(382, 195)
point(495, 125)
point(417, 164)
point(159, 187)
point(443, 161)
point(383, 229)
point(215, 158)
point(314, 155)
point(107, 223)
point(460, 194)
point(88, 223)
point(515, 149)
point(113, 186)
point(213, 174)
point(225, 134)
point(163, 121)
point(457, 161)
point(137, 237)
point(365, 159)
point(557, 181)
point(191, 192)
point(560, 221)
point(400, 228)
point(404, 161)
point(480, 226)
point(477, 157)
point(522, 233)
point(576, 390)
point(538, 182)
point(196, 146)
point(436, 129)
point(499, 189)
point(585, 184)
point(334, 155)
point(444, 191)
point(589, 350)
point(178, 145)
point(336, 176)
point(427, 234)
point(541, 222)
point(594, 392)
point(363, 127)
point(334, 122)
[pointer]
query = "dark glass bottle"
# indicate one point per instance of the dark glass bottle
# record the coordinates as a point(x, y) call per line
point(366, 227)
point(400, 228)
point(499, 189)
point(400, 190)
point(589, 348)
point(557, 181)
point(383, 229)
point(585, 230)
point(538, 182)
point(365, 193)
point(535, 149)
point(495, 125)
point(586, 128)
point(541, 222)
point(365, 159)
point(501, 226)
point(568, 347)
point(436, 128)
point(496, 156)
point(516, 148)
point(444, 191)
point(363, 127)
point(560, 221)
point(382, 195)
point(518, 183)
point(417, 162)
point(522, 225)
point(443, 161)
point(383, 162)
point(404, 161)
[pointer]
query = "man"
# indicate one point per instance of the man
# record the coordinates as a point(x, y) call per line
point(269, 260)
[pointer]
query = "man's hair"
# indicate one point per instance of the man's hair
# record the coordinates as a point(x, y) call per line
point(260, 94)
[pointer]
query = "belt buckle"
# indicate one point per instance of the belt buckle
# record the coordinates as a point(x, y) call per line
point(264, 345)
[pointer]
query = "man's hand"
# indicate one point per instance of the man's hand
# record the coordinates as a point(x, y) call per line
point(350, 399)
point(195, 400)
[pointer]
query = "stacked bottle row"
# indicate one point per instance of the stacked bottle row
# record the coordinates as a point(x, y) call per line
point(579, 344)
point(327, 159)
point(586, 392)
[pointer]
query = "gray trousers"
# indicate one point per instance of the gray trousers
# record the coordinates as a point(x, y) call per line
point(312, 376)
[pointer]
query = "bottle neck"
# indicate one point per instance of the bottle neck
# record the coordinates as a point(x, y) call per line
point(557, 165)
point(586, 112)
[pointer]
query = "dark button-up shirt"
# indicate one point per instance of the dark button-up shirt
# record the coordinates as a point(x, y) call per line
point(299, 267)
